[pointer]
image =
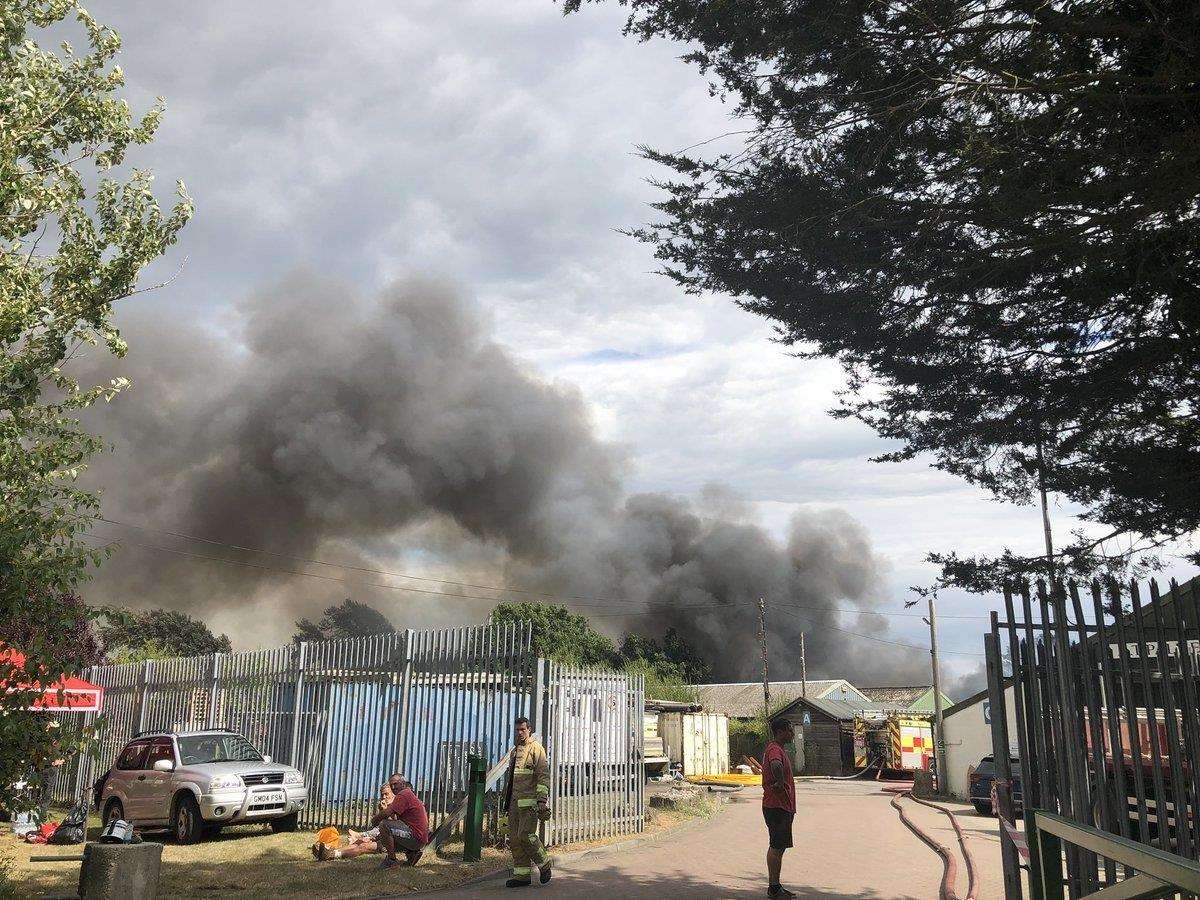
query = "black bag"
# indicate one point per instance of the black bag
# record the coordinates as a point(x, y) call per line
point(72, 829)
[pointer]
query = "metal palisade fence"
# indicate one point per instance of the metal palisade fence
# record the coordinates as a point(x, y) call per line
point(349, 712)
point(594, 740)
point(1102, 682)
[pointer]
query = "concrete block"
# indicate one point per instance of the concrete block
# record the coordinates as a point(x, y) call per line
point(923, 785)
point(120, 871)
point(676, 797)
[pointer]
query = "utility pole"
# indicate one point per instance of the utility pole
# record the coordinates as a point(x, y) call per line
point(803, 670)
point(762, 640)
point(939, 743)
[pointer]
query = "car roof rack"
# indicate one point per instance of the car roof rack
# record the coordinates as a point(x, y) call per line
point(176, 731)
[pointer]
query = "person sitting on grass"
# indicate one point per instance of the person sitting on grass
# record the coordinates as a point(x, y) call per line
point(361, 842)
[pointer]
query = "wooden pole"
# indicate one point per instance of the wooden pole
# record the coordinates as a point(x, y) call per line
point(803, 669)
point(762, 640)
point(939, 744)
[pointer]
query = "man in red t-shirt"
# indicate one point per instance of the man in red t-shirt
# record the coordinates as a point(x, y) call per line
point(779, 802)
point(403, 823)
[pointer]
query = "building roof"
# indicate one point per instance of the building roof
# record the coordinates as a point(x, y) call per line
point(897, 696)
point(744, 700)
point(835, 708)
point(843, 711)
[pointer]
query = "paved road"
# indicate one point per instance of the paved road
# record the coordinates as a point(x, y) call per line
point(849, 844)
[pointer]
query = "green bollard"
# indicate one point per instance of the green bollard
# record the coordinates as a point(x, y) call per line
point(473, 839)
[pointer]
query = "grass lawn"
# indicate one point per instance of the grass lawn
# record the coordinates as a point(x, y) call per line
point(250, 861)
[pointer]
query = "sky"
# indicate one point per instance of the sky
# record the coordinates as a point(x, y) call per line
point(493, 146)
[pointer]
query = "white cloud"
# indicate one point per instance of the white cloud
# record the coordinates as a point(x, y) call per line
point(493, 143)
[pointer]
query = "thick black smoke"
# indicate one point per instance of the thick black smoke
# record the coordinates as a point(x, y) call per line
point(394, 433)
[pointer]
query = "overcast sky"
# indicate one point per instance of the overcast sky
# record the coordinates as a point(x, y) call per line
point(493, 144)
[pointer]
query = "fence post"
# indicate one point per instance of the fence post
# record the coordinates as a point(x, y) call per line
point(405, 692)
point(536, 716)
point(82, 769)
point(473, 837)
point(1049, 872)
point(214, 673)
point(297, 705)
point(1000, 752)
point(147, 668)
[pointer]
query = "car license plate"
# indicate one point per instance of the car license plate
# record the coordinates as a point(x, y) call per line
point(267, 798)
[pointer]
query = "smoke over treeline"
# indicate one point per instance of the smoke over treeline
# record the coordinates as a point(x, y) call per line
point(392, 432)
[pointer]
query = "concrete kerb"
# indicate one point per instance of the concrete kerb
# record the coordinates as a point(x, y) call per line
point(560, 858)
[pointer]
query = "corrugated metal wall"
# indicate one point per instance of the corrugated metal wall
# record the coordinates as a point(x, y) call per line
point(349, 712)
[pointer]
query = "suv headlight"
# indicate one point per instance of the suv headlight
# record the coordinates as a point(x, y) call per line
point(226, 782)
point(293, 777)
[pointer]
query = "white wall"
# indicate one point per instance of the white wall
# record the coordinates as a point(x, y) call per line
point(969, 739)
point(705, 744)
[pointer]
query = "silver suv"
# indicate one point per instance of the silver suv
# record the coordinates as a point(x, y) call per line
point(196, 781)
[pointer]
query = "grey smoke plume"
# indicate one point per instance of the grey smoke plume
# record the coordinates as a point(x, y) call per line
point(393, 432)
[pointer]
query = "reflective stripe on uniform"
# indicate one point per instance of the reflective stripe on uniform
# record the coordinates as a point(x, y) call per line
point(520, 770)
point(524, 803)
point(542, 855)
point(543, 790)
point(522, 870)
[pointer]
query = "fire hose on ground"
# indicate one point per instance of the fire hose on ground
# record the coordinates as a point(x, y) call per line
point(949, 866)
point(859, 774)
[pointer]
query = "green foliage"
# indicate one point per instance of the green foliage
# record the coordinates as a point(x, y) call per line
point(660, 686)
point(987, 213)
point(560, 634)
point(134, 635)
point(73, 240)
point(673, 660)
point(569, 638)
point(348, 619)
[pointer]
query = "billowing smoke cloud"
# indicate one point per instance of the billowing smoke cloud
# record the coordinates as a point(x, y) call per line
point(394, 433)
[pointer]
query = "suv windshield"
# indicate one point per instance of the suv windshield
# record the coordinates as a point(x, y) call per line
point(197, 749)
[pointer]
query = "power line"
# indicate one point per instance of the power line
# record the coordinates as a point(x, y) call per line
point(392, 587)
point(630, 615)
point(352, 568)
point(878, 640)
point(600, 601)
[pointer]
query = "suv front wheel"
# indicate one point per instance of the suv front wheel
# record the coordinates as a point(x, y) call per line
point(186, 823)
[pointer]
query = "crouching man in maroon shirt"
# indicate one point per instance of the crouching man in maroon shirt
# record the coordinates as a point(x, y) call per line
point(403, 823)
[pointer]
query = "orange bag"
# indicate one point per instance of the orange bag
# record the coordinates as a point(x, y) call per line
point(328, 836)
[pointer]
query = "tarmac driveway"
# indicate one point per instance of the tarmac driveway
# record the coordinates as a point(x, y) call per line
point(849, 844)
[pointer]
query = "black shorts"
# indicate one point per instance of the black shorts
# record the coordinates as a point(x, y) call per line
point(779, 826)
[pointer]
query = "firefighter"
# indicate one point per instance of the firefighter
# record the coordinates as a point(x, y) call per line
point(527, 799)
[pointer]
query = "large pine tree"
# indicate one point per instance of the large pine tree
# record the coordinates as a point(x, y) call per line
point(986, 210)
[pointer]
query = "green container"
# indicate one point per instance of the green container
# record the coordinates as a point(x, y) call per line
point(473, 838)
